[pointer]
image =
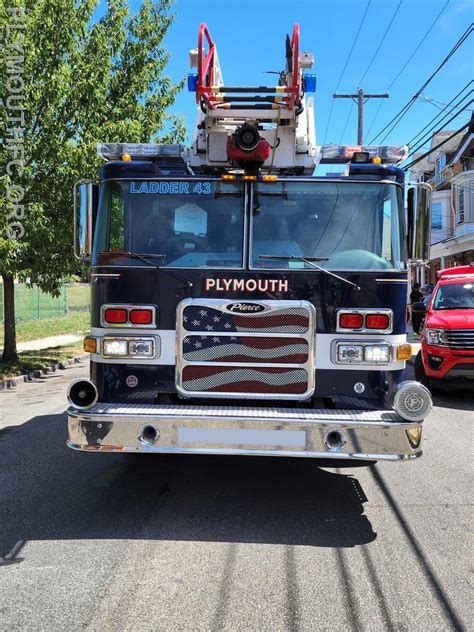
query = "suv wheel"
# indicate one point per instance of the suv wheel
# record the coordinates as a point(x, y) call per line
point(420, 375)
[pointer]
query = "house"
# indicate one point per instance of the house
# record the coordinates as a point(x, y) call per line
point(450, 171)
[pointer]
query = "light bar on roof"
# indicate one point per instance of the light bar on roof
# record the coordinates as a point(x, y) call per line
point(340, 154)
point(141, 151)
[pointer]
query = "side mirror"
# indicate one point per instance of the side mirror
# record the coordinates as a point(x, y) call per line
point(419, 222)
point(419, 308)
point(85, 211)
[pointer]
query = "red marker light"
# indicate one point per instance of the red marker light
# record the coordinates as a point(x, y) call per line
point(141, 316)
point(351, 321)
point(115, 316)
point(377, 321)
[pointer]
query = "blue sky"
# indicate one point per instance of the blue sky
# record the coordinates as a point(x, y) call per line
point(250, 37)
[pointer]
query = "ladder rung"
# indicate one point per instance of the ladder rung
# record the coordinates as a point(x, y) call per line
point(250, 106)
point(247, 89)
point(254, 99)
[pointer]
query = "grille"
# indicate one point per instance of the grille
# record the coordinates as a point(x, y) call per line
point(279, 320)
point(460, 338)
point(226, 354)
point(218, 379)
point(245, 349)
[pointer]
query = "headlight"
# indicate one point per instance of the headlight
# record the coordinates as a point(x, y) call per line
point(434, 336)
point(350, 353)
point(377, 353)
point(142, 348)
point(129, 347)
point(115, 348)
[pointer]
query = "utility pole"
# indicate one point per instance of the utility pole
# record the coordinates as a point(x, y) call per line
point(361, 99)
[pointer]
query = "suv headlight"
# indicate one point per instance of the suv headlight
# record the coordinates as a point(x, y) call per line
point(435, 336)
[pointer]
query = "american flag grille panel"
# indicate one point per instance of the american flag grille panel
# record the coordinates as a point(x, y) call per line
point(225, 379)
point(261, 354)
point(460, 338)
point(248, 349)
point(289, 320)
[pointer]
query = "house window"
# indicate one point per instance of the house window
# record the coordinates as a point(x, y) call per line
point(460, 205)
point(436, 221)
point(440, 165)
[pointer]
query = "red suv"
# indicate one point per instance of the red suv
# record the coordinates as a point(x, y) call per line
point(447, 340)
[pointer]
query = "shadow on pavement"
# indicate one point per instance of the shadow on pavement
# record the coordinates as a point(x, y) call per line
point(49, 492)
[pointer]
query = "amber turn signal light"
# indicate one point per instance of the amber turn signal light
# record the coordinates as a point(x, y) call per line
point(90, 344)
point(404, 352)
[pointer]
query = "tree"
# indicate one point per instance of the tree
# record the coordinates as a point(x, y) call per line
point(66, 83)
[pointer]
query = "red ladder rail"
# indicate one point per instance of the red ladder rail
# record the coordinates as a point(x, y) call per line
point(207, 90)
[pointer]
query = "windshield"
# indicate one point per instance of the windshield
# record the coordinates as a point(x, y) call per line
point(190, 224)
point(356, 226)
point(455, 296)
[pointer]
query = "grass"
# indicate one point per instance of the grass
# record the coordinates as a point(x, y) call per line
point(75, 323)
point(32, 360)
point(78, 297)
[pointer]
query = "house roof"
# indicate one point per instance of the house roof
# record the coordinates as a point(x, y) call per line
point(465, 143)
point(447, 147)
point(427, 165)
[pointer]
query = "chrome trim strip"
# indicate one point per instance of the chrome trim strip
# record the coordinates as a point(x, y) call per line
point(364, 313)
point(106, 275)
point(271, 305)
point(392, 281)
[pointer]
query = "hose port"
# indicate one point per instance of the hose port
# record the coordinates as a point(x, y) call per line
point(334, 440)
point(148, 435)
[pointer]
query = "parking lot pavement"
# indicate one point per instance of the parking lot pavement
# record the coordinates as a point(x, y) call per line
point(110, 541)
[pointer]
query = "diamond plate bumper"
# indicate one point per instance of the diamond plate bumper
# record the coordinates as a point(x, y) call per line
point(361, 435)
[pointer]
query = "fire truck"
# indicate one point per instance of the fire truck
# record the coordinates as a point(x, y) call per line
point(241, 304)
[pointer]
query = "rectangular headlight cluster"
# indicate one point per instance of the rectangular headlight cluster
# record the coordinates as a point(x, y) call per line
point(358, 353)
point(435, 336)
point(128, 347)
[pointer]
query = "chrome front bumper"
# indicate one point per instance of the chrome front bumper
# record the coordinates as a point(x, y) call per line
point(365, 435)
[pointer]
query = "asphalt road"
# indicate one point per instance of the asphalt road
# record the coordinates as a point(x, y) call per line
point(119, 542)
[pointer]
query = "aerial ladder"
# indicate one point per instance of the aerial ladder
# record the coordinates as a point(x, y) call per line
point(270, 128)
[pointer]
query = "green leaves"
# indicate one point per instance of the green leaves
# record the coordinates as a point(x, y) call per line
point(85, 82)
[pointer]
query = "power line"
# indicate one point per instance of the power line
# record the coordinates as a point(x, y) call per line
point(398, 117)
point(367, 70)
point(441, 128)
point(408, 61)
point(435, 103)
point(439, 114)
point(424, 139)
point(346, 123)
point(417, 160)
point(381, 42)
point(345, 66)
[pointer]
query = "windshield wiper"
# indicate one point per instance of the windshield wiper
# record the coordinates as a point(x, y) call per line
point(136, 255)
point(455, 307)
point(309, 261)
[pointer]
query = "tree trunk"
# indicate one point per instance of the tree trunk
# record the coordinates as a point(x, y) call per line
point(9, 348)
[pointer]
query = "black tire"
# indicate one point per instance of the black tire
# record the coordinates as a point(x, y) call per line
point(420, 375)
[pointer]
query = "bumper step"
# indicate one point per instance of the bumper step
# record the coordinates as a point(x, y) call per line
point(302, 432)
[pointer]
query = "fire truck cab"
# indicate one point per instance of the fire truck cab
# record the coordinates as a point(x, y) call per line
point(240, 304)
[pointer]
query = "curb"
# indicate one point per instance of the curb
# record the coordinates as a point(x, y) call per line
point(11, 382)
